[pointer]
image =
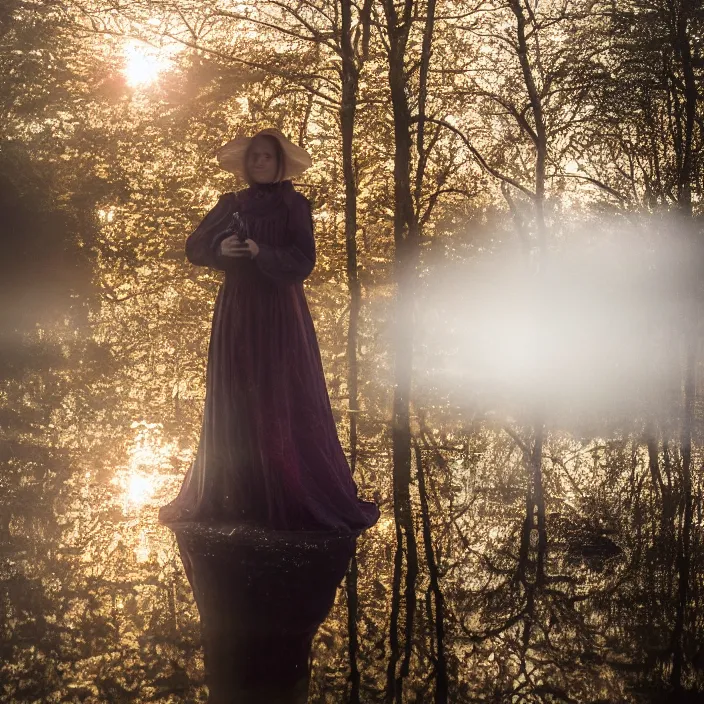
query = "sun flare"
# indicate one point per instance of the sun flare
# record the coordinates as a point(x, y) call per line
point(149, 463)
point(140, 489)
point(144, 64)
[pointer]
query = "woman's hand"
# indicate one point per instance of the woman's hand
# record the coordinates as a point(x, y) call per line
point(232, 247)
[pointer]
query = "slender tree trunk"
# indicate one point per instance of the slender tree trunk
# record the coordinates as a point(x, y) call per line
point(653, 459)
point(539, 134)
point(441, 685)
point(353, 639)
point(683, 52)
point(394, 644)
point(539, 500)
point(535, 505)
point(349, 79)
point(682, 49)
point(684, 543)
point(406, 240)
point(406, 252)
point(667, 509)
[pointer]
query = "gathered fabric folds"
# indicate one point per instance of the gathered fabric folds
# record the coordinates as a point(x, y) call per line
point(268, 453)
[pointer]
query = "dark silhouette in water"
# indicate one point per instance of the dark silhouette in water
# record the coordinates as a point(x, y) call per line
point(261, 596)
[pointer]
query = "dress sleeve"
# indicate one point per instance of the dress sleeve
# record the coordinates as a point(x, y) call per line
point(295, 261)
point(203, 244)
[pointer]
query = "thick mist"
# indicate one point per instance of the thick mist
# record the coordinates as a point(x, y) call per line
point(593, 327)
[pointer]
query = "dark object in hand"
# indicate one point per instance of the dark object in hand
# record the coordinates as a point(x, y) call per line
point(238, 227)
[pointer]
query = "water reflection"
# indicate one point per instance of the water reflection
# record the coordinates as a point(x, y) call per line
point(261, 596)
point(480, 603)
point(95, 606)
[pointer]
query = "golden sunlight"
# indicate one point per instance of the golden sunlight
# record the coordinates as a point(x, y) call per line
point(136, 488)
point(140, 488)
point(385, 525)
point(143, 549)
point(144, 63)
point(149, 465)
point(106, 215)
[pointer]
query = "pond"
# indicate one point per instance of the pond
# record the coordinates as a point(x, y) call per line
point(464, 602)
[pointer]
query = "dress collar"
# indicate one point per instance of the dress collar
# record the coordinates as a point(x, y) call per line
point(264, 198)
point(263, 190)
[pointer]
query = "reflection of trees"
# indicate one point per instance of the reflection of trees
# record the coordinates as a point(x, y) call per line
point(434, 599)
point(522, 562)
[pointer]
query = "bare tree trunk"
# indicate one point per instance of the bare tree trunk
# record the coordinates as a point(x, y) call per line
point(683, 12)
point(353, 640)
point(349, 79)
point(535, 512)
point(348, 107)
point(682, 50)
point(667, 507)
point(535, 505)
point(406, 254)
point(441, 686)
point(539, 501)
point(392, 684)
point(539, 134)
point(684, 542)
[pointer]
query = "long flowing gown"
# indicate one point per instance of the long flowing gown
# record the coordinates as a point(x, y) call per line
point(268, 453)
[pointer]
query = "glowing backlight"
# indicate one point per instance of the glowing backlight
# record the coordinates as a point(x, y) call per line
point(149, 465)
point(140, 489)
point(144, 64)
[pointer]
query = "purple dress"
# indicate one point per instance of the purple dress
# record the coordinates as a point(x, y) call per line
point(268, 452)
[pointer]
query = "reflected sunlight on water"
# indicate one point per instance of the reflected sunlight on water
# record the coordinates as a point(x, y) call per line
point(150, 466)
point(140, 489)
point(143, 550)
point(385, 525)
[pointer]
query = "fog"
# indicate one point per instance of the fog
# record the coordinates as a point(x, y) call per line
point(595, 326)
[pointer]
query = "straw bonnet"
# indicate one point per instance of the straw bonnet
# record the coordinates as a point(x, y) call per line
point(231, 155)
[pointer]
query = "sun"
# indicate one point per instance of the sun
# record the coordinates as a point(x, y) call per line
point(144, 64)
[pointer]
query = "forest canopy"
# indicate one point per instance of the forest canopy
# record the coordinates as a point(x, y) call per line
point(507, 200)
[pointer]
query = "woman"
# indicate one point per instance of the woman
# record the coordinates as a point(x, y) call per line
point(268, 452)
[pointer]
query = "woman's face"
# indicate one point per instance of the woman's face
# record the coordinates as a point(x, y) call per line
point(262, 165)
